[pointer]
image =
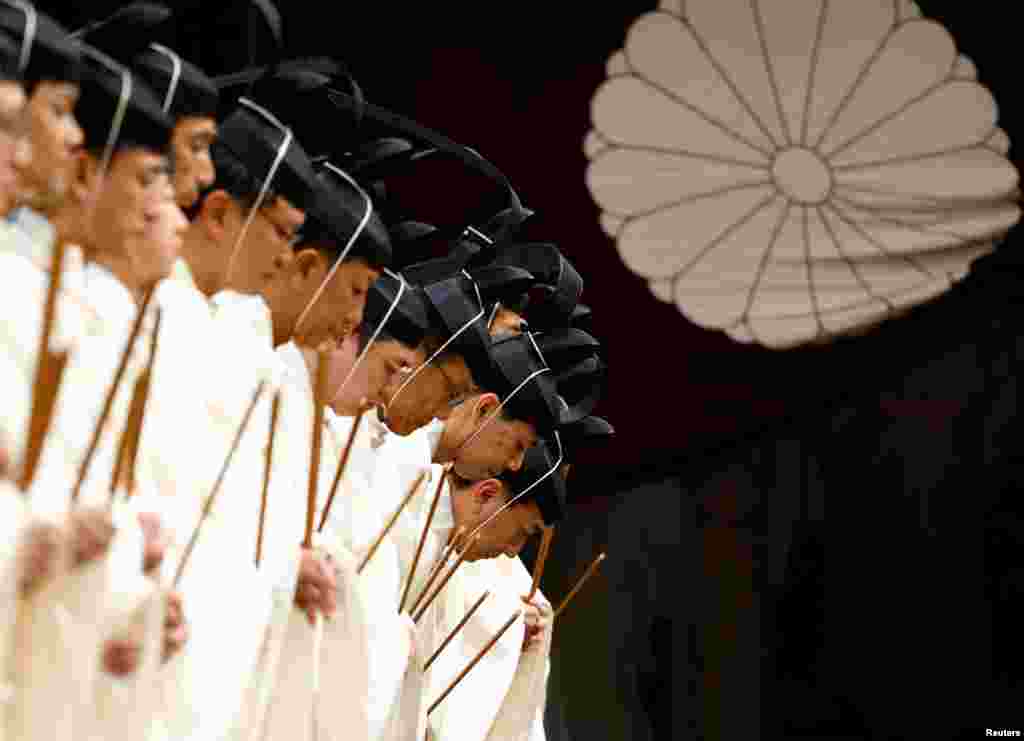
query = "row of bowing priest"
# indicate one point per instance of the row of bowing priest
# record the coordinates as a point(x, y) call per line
point(269, 450)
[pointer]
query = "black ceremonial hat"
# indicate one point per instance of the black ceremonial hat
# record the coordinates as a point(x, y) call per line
point(563, 348)
point(581, 318)
point(549, 494)
point(48, 51)
point(301, 93)
point(103, 84)
point(130, 37)
point(584, 433)
point(454, 305)
point(537, 401)
point(255, 139)
point(566, 353)
point(418, 243)
point(560, 284)
point(459, 254)
point(10, 59)
point(501, 212)
point(342, 209)
point(409, 322)
point(505, 283)
point(373, 165)
point(581, 386)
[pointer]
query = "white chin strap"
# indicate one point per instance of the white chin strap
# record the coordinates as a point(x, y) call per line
point(444, 346)
point(282, 150)
point(28, 35)
point(367, 212)
point(376, 332)
point(172, 87)
point(479, 235)
point(523, 493)
point(116, 123)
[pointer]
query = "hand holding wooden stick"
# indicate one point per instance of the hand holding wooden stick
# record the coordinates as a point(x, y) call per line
point(475, 661)
point(583, 580)
point(268, 464)
point(208, 504)
point(50, 367)
point(456, 629)
point(319, 395)
point(447, 577)
point(108, 402)
point(542, 557)
point(423, 537)
point(387, 528)
point(342, 464)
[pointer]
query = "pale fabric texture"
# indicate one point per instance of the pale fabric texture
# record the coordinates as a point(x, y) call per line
point(521, 715)
point(340, 655)
point(355, 520)
point(12, 518)
point(788, 176)
point(340, 709)
point(81, 608)
point(408, 716)
point(469, 711)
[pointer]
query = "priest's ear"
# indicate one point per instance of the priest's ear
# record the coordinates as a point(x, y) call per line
point(214, 213)
point(486, 405)
point(85, 176)
point(486, 491)
point(307, 264)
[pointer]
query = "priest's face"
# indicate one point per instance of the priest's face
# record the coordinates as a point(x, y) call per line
point(338, 310)
point(162, 241)
point(135, 213)
point(15, 149)
point(56, 140)
point(386, 363)
point(193, 165)
point(487, 444)
point(266, 248)
point(507, 533)
point(430, 394)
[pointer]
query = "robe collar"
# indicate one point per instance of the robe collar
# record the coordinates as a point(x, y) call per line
point(40, 233)
point(249, 309)
point(108, 296)
point(296, 369)
point(433, 432)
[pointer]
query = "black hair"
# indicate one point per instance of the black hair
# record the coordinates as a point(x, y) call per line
point(234, 178)
point(121, 145)
point(317, 237)
point(432, 343)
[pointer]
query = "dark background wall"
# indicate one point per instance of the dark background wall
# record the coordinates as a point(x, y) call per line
point(813, 544)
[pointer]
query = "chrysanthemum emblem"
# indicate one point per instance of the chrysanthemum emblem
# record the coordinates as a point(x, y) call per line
point(786, 172)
